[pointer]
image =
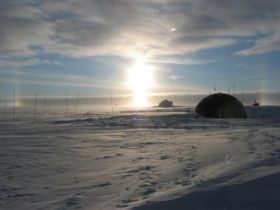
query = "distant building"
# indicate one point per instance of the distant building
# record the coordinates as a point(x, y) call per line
point(166, 103)
point(256, 103)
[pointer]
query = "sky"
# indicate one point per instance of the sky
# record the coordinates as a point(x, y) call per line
point(53, 47)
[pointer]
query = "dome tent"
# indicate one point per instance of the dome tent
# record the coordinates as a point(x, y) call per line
point(221, 105)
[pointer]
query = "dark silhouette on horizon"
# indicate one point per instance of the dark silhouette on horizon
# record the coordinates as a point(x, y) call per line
point(221, 105)
point(165, 103)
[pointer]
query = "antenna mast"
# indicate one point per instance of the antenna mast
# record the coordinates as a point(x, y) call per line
point(66, 103)
point(44, 105)
point(14, 104)
point(242, 96)
point(112, 103)
point(6, 104)
point(77, 103)
point(35, 106)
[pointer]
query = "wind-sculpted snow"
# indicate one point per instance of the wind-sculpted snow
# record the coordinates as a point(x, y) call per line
point(176, 121)
point(145, 160)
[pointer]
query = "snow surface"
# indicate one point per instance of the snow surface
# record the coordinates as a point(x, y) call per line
point(141, 159)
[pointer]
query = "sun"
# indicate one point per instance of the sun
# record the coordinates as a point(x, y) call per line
point(140, 81)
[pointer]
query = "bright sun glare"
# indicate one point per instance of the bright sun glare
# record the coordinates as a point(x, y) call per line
point(140, 80)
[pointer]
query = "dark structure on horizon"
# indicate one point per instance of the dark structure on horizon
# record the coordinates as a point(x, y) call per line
point(165, 103)
point(256, 103)
point(221, 105)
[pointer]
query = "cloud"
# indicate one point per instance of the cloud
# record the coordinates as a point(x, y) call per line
point(21, 63)
point(21, 28)
point(174, 77)
point(179, 60)
point(125, 27)
point(263, 45)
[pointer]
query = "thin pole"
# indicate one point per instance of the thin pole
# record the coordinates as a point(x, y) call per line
point(35, 106)
point(242, 96)
point(112, 103)
point(47, 106)
point(14, 104)
point(229, 89)
point(44, 105)
point(6, 104)
point(66, 103)
point(77, 103)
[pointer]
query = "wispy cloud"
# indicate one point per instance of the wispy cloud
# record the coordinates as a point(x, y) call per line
point(267, 44)
point(26, 62)
point(179, 60)
point(174, 77)
point(123, 27)
point(44, 82)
